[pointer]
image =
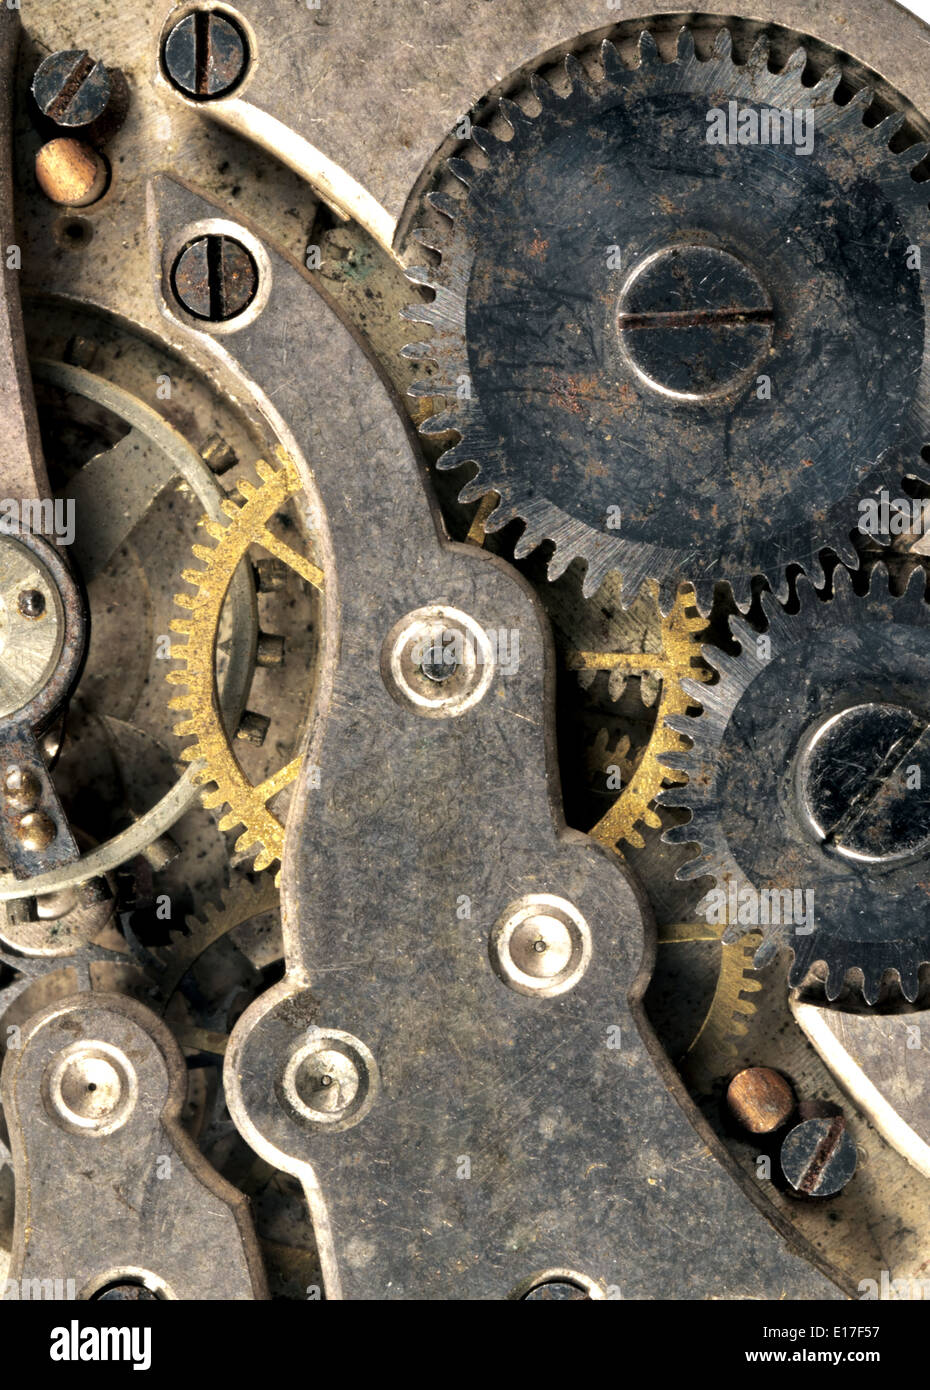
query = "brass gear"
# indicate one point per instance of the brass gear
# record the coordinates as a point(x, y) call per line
point(731, 1007)
point(248, 525)
point(676, 659)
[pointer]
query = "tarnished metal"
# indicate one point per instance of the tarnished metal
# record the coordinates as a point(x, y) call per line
point(760, 1099)
point(205, 54)
point(421, 1000)
point(631, 386)
point(108, 1184)
point(818, 1157)
point(23, 474)
point(373, 158)
point(879, 1059)
point(215, 278)
point(755, 835)
point(72, 88)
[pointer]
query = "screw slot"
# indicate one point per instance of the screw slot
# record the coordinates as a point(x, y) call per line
point(215, 278)
point(206, 55)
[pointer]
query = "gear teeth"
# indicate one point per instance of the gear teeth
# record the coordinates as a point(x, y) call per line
point(421, 275)
point(215, 769)
point(425, 236)
point(759, 54)
point(915, 156)
point(600, 558)
point(872, 985)
point(824, 91)
point(544, 92)
point(615, 70)
point(418, 352)
point(859, 102)
point(701, 867)
point(475, 490)
point(891, 126)
point(686, 725)
point(836, 978)
point(559, 562)
point(442, 423)
point(463, 170)
point(723, 45)
point(647, 50)
point(685, 46)
point(532, 537)
point(425, 390)
point(576, 74)
point(909, 977)
point(845, 552)
point(445, 203)
point(744, 634)
point(487, 143)
point(797, 62)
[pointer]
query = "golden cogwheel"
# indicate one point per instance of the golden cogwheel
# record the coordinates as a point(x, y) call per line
point(248, 526)
point(675, 660)
point(731, 1008)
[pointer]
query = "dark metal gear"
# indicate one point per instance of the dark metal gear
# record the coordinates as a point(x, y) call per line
point(809, 784)
point(617, 297)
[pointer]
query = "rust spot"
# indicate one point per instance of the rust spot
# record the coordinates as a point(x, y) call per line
point(575, 393)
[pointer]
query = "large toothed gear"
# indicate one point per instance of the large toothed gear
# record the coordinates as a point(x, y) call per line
point(248, 525)
point(809, 784)
point(678, 359)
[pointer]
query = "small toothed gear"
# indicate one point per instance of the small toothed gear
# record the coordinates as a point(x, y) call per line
point(169, 964)
point(705, 404)
point(662, 674)
point(248, 526)
point(809, 784)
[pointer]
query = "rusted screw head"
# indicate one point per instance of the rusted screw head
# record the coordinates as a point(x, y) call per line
point(205, 55)
point(760, 1099)
point(22, 788)
point(31, 603)
point(695, 322)
point(215, 278)
point(71, 88)
point(35, 831)
point(819, 1157)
